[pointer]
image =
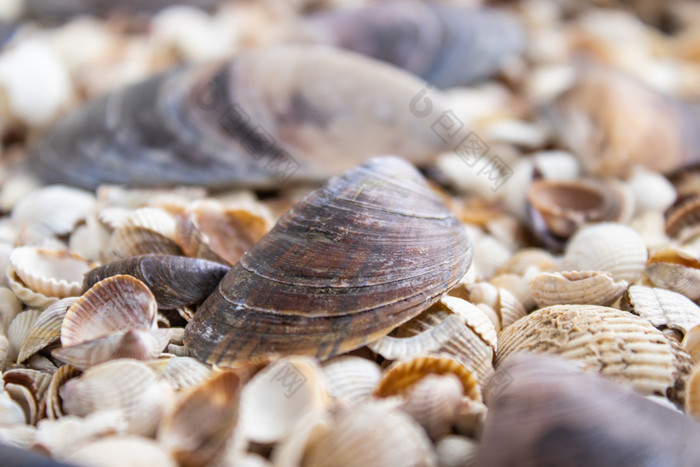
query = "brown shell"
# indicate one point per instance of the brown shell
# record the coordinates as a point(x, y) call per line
point(357, 257)
point(684, 213)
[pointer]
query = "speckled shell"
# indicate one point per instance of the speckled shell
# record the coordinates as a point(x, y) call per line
point(615, 343)
point(270, 115)
point(357, 257)
point(576, 287)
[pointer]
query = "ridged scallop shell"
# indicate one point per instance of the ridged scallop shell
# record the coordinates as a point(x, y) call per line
point(45, 329)
point(154, 219)
point(675, 270)
point(25, 294)
point(198, 428)
point(433, 402)
point(125, 385)
point(369, 435)
point(54, 404)
point(664, 308)
point(325, 288)
point(452, 326)
point(129, 241)
point(683, 215)
point(615, 343)
point(576, 287)
point(118, 303)
point(607, 247)
point(218, 233)
point(398, 379)
point(18, 330)
point(54, 209)
point(10, 307)
point(278, 396)
point(351, 379)
point(53, 273)
point(181, 372)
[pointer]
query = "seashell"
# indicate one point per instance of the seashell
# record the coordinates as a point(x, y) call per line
point(198, 428)
point(278, 396)
point(45, 329)
point(24, 397)
point(489, 255)
point(692, 394)
point(154, 219)
point(433, 402)
point(117, 451)
point(14, 437)
point(53, 210)
point(114, 217)
point(129, 241)
point(506, 307)
point(17, 331)
point(4, 349)
point(663, 308)
point(214, 232)
point(558, 208)
point(453, 327)
point(675, 270)
point(528, 258)
point(181, 372)
point(136, 344)
point(41, 363)
point(118, 303)
point(54, 404)
point(469, 419)
point(424, 38)
point(601, 117)
point(9, 308)
point(691, 343)
point(456, 451)
point(578, 420)
point(651, 190)
point(11, 412)
point(350, 379)
point(124, 385)
point(175, 281)
point(377, 206)
point(367, 435)
point(401, 376)
point(615, 343)
point(576, 287)
point(53, 273)
point(179, 350)
point(25, 294)
point(683, 215)
point(27, 388)
point(255, 136)
point(607, 247)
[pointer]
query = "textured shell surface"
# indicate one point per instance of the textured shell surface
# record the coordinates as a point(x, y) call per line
point(676, 270)
point(664, 308)
point(357, 257)
point(54, 209)
point(54, 273)
point(351, 379)
point(45, 329)
point(615, 343)
point(572, 287)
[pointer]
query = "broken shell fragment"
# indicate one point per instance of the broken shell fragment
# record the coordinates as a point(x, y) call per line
point(675, 270)
point(576, 287)
point(324, 288)
point(175, 281)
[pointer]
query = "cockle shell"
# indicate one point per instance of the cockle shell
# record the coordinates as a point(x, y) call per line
point(152, 218)
point(128, 386)
point(54, 404)
point(45, 329)
point(507, 308)
point(576, 287)
point(129, 241)
point(181, 372)
point(385, 251)
point(433, 402)
point(175, 281)
point(53, 210)
point(675, 270)
point(447, 45)
point(53, 273)
point(25, 294)
point(240, 124)
point(683, 215)
point(18, 330)
point(550, 413)
point(350, 379)
point(202, 421)
point(664, 308)
point(615, 343)
point(9, 308)
point(28, 388)
point(607, 247)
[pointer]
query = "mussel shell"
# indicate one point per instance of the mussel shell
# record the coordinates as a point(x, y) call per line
point(357, 257)
point(268, 116)
point(174, 280)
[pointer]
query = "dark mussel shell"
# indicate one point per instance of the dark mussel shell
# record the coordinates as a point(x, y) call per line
point(267, 117)
point(366, 252)
point(174, 280)
point(446, 45)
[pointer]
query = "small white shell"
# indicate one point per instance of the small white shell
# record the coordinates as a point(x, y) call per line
point(25, 294)
point(351, 379)
point(664, 308)
point(54, 209)
point(576, 287)
point(9, 308)
point(53, 273)
point(18, 330)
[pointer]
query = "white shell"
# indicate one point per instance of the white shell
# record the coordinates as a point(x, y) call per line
point(55, 209)
point(351, 379)
point(664, 308)
point(53, 273)
point(576, 287)
point(18, 330)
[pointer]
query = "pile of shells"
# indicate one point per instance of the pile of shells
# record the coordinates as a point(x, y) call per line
point(349, 233)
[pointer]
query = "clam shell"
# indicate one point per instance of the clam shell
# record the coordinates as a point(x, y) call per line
point(278, 396)
point(118, 303)
point(18, 330)
point(53, 273)
point(25, 294)
point(351, 379)
point(198, 428)
point(615, 343)
point(607, 247)
point(367, 435)
point(54, 404)
point(327, 289)
point(212, 231)
point(664, 308)
point(576, 287)
point(675, 270)
point(401, 376)
point(125, 385)
point(45, 329)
